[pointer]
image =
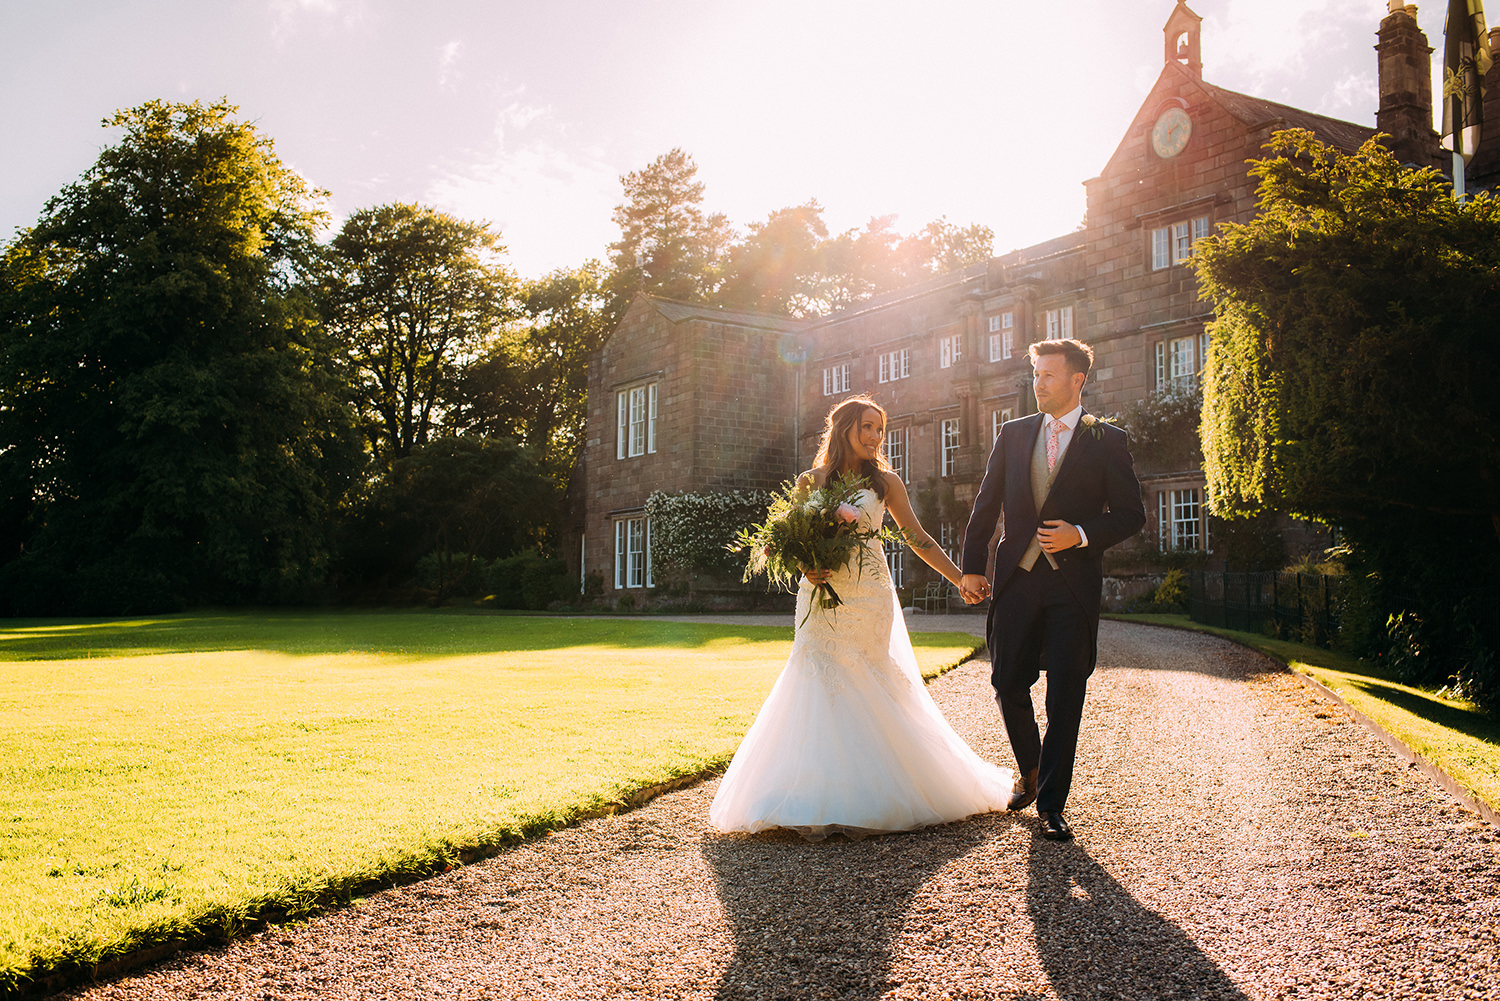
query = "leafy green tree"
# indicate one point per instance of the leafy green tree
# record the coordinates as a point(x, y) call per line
point(942, 247)
point(413, 295)
point(1352, 364)
point(170, 420)
point(668, 245)
point(463, 499)
point(532, 383)
point(779, 267)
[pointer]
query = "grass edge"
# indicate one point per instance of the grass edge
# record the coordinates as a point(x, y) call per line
point(1429, 764)
point(222, 925)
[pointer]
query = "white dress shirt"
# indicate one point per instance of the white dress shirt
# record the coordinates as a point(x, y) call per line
point(1064, 438)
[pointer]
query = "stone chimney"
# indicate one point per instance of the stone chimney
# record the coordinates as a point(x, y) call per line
point(1405, 112)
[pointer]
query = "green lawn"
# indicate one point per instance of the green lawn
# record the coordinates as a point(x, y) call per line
point(174, 777)
point(1452, 735)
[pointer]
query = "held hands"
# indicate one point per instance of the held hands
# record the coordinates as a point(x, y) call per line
point(974, 588)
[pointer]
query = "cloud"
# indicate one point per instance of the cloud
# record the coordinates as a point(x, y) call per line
point(448, 74)
point(549, 196)
point(1318, 56)
point(287, 15)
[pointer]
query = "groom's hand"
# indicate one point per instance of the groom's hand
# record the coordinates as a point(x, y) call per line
point(974, 587)
point(1055, 536)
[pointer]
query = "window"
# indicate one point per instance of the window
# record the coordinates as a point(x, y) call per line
point(1161, 248)
point(1179, 518)
point(633, 553)
point(895, 452)
point(948, 538)
point(636, 425)
point(950, 351)
point(1060, 323)
point(1174, 244)
point(949, 445)
point(1002, 343)
point(1182, 242)
point(997, 418)
point(836, 380)
point(1177, 362)
point(894, 365)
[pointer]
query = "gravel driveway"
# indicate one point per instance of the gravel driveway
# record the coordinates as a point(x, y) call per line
point(1237, 838)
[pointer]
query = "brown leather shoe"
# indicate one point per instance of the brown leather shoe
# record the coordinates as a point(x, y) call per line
point(1023, 793)
point(1054, 827)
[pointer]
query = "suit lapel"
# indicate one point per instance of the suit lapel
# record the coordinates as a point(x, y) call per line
point(1018, 470)
point(1074, 457)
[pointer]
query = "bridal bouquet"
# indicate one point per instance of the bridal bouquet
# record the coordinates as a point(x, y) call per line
point(812, 529)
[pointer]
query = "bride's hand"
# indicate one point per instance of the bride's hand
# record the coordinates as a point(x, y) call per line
point(817, 577)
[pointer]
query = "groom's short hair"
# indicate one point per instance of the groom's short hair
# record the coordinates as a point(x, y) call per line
point(1078, 355)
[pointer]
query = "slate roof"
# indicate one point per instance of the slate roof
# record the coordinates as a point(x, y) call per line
point(1253, 111)
point(677, 311)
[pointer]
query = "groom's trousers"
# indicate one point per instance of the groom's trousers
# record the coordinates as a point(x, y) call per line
point(1038, 624)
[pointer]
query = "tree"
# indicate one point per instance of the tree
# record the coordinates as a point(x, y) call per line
point(779, 267)
point(170, 420)
point(414, 294)
point(942, 247)
point(463, 499)
point(668, 245)
point(1352, 362)
point(532, 383)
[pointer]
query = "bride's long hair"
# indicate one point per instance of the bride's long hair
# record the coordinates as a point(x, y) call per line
point(833, 450)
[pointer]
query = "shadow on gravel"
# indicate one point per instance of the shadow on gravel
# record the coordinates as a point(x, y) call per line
point(818, 920)
point(1096, 941)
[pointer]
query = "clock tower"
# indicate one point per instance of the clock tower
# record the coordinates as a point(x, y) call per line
point(1183, 32)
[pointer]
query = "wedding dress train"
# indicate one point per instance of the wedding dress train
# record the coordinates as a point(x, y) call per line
point(849, 740)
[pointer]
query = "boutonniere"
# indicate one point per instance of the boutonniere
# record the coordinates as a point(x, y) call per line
point(1093, 426)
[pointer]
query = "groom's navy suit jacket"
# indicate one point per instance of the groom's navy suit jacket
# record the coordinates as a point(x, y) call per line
point(1095, 488)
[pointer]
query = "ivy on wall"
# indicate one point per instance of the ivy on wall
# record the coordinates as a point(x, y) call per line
point(691, 532)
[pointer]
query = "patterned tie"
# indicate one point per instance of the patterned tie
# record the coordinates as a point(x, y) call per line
point(1054, 428)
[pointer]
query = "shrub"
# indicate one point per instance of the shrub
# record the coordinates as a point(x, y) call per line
point(449, 573)
point(691, 532)
point(528, 580)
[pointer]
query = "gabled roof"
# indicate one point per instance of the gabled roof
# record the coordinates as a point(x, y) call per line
point(1255, 111)
point(677, 312)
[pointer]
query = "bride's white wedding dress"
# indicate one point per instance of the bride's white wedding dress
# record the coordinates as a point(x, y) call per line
point(849, 740)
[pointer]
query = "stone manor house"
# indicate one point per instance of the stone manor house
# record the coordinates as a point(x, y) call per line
point(688, 397)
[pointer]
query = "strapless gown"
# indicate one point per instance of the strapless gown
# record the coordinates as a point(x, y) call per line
point(849, 739)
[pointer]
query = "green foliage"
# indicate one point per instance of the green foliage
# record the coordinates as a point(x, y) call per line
point(692, 533)
point(531, 383)
point(529, 580)
point(1171, 595)
point(1164, 430)
point(171, 422)
point(412, 294)
point(1350, 372)
point(448, 573)
point(488, 497)
point(1353, 345)
point(668, 245)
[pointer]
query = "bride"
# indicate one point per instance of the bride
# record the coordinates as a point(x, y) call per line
point(849, 740)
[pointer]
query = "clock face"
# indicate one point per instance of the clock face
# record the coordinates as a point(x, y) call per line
point(1170, 133)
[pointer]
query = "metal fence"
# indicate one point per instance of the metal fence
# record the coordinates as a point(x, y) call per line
point(1296, 606)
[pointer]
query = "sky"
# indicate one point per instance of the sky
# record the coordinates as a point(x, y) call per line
point(525, 113)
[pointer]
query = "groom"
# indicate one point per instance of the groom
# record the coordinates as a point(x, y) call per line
point(1065, 485)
